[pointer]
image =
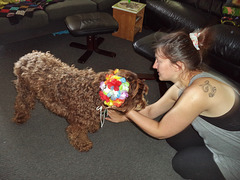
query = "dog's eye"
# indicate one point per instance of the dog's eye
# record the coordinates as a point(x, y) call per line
point(130, 78)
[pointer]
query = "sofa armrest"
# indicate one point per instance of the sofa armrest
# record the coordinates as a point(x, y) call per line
point(145, 45)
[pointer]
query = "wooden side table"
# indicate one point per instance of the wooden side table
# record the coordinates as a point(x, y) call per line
point(129, 17)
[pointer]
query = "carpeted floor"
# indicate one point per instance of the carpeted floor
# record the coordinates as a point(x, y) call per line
point(39, 149)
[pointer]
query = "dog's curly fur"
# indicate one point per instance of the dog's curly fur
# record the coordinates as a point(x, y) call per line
point(68, 92)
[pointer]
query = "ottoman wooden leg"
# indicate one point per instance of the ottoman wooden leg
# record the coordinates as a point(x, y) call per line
point(92, 45)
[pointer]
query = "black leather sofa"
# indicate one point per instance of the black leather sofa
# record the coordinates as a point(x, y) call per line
point(172, 15)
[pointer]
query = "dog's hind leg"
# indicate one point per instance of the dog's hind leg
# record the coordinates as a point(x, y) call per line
point(24, 103)
point(78, 137)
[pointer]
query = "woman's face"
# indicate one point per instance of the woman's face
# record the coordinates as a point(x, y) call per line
point(166, 70)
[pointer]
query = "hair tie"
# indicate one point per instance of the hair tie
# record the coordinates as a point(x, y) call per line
point(194, 38)
point(114, 90)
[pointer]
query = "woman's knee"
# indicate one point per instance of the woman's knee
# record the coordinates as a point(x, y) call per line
point(180, 165)
point(185, 139)
point(196, 163)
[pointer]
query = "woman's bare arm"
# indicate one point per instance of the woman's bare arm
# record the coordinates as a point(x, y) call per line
point(187, 108)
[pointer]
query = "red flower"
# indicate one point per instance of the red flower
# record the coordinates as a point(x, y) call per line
point(115, 83)
point(103, 96)
point(118, 102)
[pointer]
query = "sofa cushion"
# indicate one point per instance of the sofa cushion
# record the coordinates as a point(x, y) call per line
point(104, 4)
point(39, 19)
point(211, 6)
point(66, 8)
point(217, 7)
point(192, 2)
point(227, 43)
point(177, 15)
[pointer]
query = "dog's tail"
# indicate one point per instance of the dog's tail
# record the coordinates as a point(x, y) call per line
point(21, 64)
point(17, 68)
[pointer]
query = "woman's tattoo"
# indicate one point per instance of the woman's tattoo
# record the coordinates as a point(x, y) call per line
point(207, 87)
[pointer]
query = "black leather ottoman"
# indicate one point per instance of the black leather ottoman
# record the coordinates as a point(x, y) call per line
point(90, 25)
point(144, 47)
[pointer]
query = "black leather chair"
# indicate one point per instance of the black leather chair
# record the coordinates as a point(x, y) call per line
point(189, 15)
point(144, 47)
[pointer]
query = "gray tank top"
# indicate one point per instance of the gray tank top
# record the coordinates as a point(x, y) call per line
point(224, 144)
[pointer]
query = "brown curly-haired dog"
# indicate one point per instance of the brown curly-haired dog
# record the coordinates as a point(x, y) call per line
point(68, 92)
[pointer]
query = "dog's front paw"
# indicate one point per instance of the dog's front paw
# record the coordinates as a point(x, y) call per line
point(20, 118)
point(82, 146)
point(78, 137)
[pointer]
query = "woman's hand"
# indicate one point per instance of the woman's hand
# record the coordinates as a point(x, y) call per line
point(116, 116)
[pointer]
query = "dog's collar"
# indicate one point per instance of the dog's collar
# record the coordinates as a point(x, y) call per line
point(103, 115)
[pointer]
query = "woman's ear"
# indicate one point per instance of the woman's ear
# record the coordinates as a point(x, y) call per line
point(179, 66)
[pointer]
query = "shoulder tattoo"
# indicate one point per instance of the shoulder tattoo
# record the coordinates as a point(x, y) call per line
point(208, 88)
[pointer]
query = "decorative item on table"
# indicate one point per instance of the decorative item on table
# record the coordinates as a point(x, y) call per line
point(231, 13)
point(236, 2)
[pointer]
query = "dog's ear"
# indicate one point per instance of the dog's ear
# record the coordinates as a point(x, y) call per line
point(135, 85)
point(145, 89)
point(139, 87)
point(136, 100)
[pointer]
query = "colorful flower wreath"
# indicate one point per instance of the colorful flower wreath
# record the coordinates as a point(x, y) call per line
point(114, 90)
